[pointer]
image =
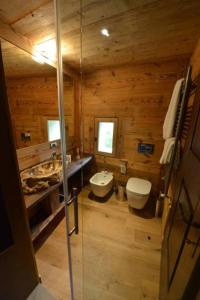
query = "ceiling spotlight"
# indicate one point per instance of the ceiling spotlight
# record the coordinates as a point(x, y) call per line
point(105, 32)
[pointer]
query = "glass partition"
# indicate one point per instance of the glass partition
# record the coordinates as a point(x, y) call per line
point(33, 93)
point(68, 48)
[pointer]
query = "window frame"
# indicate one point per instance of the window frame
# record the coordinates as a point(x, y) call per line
point(97, 120)
point(44, 122)
point(51, 119)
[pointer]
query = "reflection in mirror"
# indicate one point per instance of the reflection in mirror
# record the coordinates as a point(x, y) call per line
point(32, 93)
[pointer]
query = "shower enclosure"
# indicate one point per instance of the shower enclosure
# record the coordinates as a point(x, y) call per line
point(72, 208)
point(103, 240)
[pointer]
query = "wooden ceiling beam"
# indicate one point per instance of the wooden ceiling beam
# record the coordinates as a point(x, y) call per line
point(8, 34)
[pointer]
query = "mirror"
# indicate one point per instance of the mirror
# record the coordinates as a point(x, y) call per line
point(32, 93)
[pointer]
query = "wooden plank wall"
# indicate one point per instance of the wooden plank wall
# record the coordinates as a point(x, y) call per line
point(33, 100)
point(138, 96)
point(195, 61)
point(33, 155)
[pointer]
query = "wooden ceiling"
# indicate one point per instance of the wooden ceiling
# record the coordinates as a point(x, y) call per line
point(140, 30)
point(18, 63)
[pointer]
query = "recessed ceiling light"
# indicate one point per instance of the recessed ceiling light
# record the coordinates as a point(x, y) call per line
point(105, 32)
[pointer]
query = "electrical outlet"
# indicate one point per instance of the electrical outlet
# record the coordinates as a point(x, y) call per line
point(25, 136)
point(53, 145)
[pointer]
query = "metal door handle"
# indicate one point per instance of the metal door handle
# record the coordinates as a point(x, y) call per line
point(75, 195)
point(74, 200)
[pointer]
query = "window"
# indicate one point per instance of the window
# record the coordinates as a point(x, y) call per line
point(53, 127)
point(105, 129)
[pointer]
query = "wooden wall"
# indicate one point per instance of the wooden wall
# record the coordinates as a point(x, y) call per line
point(33, 100)
point(195, 61)
point(138, 96)
point(33, 155)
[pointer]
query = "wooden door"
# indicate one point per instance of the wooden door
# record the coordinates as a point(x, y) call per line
point(181, 244)
point(18, 273)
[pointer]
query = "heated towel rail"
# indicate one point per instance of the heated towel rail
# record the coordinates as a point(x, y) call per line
point(178, 130)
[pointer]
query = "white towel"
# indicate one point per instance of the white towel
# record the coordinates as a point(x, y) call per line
point(167, 151)
point(170, 118)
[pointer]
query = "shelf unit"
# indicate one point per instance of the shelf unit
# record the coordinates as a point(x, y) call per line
point(38, 229)
point(45, 209)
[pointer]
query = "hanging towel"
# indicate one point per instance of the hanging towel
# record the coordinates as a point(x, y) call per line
point(167, 151)
point(170, 117)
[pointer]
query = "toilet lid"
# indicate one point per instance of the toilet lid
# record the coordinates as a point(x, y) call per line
point(138, 186)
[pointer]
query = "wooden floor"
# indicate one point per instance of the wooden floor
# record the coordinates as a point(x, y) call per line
point(116, 255)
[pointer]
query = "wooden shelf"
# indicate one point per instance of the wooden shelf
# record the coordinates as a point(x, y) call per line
point(42, 202)
point(37, 230)
point(31, 200)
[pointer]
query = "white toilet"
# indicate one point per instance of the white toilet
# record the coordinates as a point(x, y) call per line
point(138, 191)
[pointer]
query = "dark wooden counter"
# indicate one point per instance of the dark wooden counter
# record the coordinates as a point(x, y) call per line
point(72, 168)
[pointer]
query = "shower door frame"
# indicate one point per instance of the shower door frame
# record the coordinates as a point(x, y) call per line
point(59, 66)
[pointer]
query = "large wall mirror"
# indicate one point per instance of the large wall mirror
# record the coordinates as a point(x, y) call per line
point(32, 93)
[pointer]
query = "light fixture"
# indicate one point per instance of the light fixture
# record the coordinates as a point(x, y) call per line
point(105, 32)
point(38, 57)
point(48, 49)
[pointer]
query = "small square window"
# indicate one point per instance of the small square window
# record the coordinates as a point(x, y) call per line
point(53, 127)
point(105, 135)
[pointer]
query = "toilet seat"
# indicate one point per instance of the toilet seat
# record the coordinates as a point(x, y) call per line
point(138, 186)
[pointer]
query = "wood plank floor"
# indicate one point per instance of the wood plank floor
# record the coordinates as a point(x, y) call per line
point(116, 255)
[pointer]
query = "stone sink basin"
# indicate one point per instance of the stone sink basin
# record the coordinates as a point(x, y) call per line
point(42, 176)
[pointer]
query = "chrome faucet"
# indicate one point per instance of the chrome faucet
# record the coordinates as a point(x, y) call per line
point(53, 158)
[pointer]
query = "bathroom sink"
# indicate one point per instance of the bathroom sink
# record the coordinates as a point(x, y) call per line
point(42, 176)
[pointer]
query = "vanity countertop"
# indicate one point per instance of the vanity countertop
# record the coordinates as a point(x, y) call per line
point(72, 168)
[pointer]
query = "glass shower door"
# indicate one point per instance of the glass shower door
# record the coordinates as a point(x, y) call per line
point(70, 139)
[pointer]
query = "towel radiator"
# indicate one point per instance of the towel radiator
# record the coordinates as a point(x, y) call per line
point(178, 129)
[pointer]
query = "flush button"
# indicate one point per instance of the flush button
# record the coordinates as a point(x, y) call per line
point(146, 148)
